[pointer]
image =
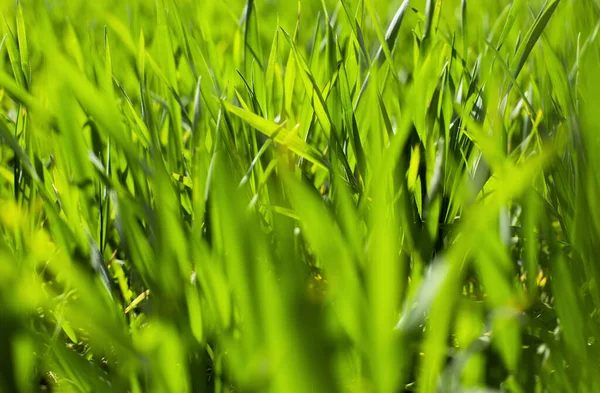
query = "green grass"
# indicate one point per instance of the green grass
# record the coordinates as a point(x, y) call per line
point(312, 196)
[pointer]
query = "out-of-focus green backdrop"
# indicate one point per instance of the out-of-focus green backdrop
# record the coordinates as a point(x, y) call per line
point(311, 196)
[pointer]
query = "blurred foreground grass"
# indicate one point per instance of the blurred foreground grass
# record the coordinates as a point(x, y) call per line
point(272, 196)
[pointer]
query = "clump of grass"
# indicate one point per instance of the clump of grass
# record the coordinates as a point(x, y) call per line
point(335, 196)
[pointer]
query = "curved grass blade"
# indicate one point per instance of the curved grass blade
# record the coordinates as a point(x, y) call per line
point(392, 31)
point(532, 37)
point(272, 129)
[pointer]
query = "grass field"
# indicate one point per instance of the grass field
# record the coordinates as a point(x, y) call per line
point(312, 196)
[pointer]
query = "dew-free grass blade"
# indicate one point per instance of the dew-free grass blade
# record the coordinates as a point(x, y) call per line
point(532, 36)
point(392, 31)
point(271, 129)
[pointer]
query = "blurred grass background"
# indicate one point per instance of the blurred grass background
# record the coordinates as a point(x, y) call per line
point(310, 196)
